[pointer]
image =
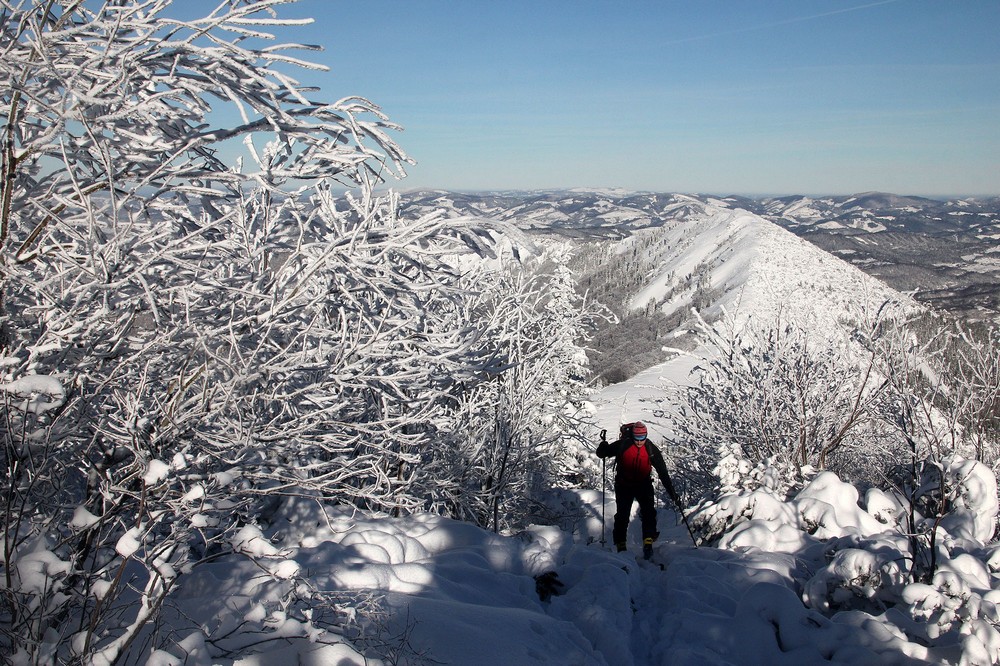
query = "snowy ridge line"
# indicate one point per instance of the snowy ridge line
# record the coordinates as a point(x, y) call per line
point(757, 269)
point(941, 250)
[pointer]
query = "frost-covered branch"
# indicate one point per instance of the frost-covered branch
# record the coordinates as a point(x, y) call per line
point(200, 342)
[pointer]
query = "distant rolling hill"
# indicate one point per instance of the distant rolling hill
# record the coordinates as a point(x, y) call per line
point(946, 252)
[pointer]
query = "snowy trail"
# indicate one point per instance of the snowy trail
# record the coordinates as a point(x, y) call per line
point(687, 611)
point(670, 606)
point(641, 398)
point(723, 607)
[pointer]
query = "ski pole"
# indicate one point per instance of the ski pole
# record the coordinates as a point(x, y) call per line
point(680, 509)
point(604, 483)
point(694, 539)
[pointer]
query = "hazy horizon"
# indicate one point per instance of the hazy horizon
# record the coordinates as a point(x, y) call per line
point(402, 186)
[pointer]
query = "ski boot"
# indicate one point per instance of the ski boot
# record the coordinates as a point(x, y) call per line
point(620, 546)
point(647, 548)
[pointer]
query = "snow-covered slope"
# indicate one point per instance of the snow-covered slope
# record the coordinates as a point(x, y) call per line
point(725, 260)
point(736, 269)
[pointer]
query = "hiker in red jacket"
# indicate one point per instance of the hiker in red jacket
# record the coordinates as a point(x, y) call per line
point(635, 458)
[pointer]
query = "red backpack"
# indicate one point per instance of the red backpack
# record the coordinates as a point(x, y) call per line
point(633, 464)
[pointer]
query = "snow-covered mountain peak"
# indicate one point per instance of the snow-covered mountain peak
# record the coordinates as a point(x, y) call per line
point(733, 261)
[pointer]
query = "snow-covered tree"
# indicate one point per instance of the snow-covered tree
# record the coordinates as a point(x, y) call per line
point(784, 396)
point(118, 98)
point(187, 341)
point(514, 421)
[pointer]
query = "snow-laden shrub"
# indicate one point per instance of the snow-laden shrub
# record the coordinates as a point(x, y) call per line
point(715, 519)
point(855, 579)
point(928, 584)
point(513, 431)
point(821, 508)
point(789, 397)
point(736, 472)
point(828, 507)
point(938, 586)
point(746, 492)
point(884, 507)
point(952, 610)
point(972, 489)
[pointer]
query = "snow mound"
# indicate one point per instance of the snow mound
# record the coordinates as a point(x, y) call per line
point(932, 592)
point(37, 393)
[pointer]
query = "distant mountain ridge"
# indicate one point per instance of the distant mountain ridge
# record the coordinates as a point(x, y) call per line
point(946, 252)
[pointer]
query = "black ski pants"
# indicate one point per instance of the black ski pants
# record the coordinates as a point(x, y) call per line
point(625, 494)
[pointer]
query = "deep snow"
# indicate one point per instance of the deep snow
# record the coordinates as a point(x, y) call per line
point(461, 595)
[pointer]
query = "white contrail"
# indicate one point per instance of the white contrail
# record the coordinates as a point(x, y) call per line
point(775, 24)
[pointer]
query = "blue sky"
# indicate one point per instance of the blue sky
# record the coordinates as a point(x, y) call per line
point(780, 97)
